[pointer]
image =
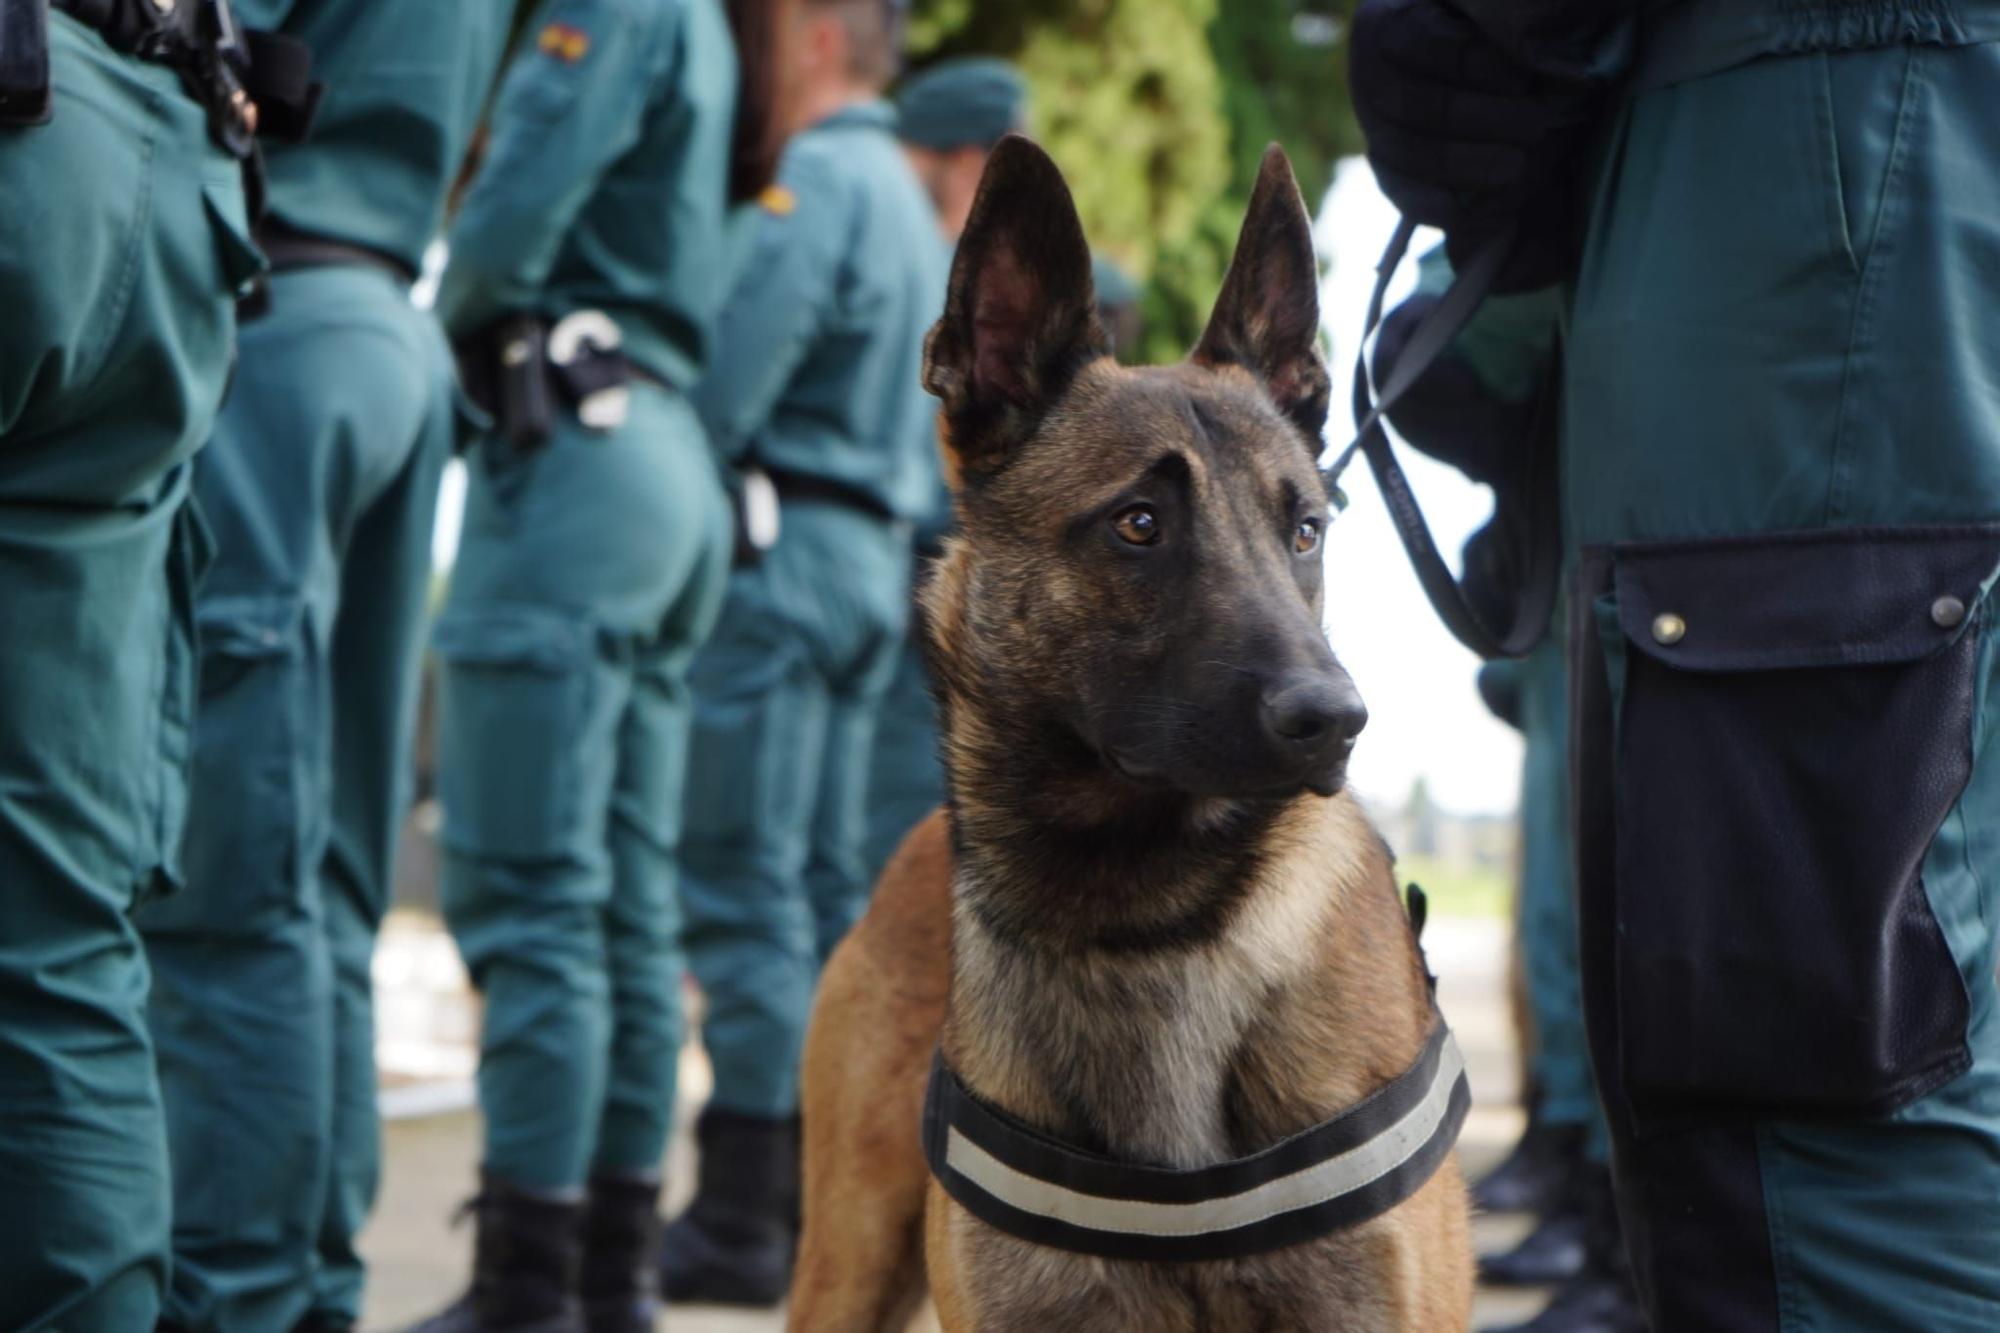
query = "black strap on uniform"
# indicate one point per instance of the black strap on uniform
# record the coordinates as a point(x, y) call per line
point(280, 82)
point(1339, 1174)
point(1540, 563)
point(24, 62)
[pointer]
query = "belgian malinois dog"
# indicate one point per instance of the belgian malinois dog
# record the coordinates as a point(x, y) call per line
point(1149, 923)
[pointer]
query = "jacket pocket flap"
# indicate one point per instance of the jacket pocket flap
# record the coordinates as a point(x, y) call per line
point(249, 628)
point(528, 638)
point(1842, 597)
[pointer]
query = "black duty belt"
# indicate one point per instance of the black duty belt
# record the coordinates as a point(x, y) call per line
point(1337, 1175)
point(289, 248)
point(1534, 469)
point(795, 486)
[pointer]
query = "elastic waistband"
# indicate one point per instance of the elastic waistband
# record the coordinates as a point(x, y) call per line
point(1690, 38)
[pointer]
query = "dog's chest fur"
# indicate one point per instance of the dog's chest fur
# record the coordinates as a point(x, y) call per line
point(1183, 1058)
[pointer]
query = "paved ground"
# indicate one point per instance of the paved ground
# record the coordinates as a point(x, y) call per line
point(419, 1260)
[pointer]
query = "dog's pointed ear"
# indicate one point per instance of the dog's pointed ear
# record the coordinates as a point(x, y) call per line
point(1020, 317)
point(1267, 317)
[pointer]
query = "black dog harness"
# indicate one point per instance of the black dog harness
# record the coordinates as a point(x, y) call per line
point(1337, 1175)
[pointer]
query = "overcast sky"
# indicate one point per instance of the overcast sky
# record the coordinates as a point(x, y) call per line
point(1425, 716)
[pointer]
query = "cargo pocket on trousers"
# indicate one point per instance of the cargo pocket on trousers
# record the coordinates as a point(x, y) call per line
point(241, 852)
point(1795, 722)
point(513, 699)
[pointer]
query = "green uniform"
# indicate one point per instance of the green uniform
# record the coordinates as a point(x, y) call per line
point(1782, 465)
point(321, 487)
point(816, 379)
point(589, 571)
point(123, 246)
point(905, 770)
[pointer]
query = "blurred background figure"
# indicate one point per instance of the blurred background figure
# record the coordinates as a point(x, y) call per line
point(1119, 304)
point(124, 245)
point(1559, 1169)
point(1472, 408)
point(949, 116)
point(587, 263)
point(321, 488)
point(813, 391)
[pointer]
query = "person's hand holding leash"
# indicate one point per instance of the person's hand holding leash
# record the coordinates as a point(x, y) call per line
point(1465, 138)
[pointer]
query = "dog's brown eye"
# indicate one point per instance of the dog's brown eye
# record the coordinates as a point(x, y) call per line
point(1305, 537)
point(1137, 525)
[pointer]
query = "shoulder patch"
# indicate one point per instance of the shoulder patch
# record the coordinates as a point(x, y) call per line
point(778, 201)
point(565, 41)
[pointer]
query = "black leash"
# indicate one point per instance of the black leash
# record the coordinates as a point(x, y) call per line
point(1541, 559)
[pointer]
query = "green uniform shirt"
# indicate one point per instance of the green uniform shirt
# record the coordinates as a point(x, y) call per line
point(404, 86)
point(605, 179)
point(819, 351)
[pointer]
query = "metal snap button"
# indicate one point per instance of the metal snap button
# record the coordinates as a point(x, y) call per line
point(1668, 629)
point(1947, 612)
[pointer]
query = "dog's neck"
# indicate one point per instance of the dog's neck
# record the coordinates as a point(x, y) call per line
point(1122, 959)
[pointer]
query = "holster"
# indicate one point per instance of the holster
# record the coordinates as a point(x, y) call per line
point(24, 63)
point(524, 370)
point(524, 404)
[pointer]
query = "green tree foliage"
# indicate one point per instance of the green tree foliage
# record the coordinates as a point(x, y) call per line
point(1158, 111)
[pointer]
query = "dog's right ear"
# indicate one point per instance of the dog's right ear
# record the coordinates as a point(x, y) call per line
point(1020, 318)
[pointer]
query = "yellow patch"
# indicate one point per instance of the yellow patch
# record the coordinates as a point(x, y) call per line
point(565, 41)
point(778, 201)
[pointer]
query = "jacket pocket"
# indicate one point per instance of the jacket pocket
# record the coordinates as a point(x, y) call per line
point(1795, 722)
point(514, 698)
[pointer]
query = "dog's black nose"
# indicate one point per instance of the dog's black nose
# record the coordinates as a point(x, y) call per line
point(1314, 711)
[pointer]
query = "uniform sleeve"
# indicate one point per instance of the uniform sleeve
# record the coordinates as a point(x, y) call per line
point(573, 101)
point(780, 301)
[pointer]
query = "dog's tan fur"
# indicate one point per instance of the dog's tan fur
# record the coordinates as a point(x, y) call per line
point(1178, 1005)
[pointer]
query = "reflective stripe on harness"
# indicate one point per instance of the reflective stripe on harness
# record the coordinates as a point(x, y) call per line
point(1337, 1175)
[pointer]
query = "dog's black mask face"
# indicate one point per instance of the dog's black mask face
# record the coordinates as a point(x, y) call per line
point(1143, 564)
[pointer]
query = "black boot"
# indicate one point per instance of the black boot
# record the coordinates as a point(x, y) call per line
point(1535, 1174)
point(1600, 1298)
point(525, 1261)
point(621, 1242)
point(1554, 1251)
point(733, 1246)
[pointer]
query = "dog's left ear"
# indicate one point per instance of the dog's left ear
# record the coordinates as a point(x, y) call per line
point(1267, 317)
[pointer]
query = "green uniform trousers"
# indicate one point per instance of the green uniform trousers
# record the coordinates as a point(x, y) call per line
point(589, 573)
point(905, 775)
point(321, 488)
point(787, 696)
point(122, 249)
point(1561, 1061)
point(1782, 460)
